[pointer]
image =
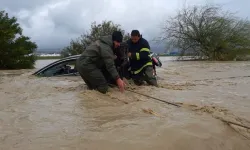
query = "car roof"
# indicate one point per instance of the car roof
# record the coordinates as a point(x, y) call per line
point(74, 57)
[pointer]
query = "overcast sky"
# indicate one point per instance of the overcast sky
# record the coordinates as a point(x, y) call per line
point(53, 23)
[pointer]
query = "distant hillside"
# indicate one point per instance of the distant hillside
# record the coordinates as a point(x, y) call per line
point(157, 49)
point(49, 50)
point(154, 48)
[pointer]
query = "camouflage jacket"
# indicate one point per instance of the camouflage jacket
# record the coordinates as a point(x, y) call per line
point(100, 55)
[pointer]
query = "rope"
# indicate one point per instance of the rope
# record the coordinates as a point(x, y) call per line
point(223, 78)
point(174, 104)
point(170, 103)
point(234, 123)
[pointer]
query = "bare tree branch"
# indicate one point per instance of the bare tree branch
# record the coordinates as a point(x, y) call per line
point(206, 31)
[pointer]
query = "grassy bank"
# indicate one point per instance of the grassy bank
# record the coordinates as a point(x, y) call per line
point(48, 57)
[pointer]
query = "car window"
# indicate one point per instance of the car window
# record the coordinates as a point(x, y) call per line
point(65, 68)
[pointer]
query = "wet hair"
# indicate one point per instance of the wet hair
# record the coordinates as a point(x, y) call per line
point(117, 36)
point(135, 33)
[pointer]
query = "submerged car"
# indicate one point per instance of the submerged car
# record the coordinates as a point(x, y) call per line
point(67, 66)
point(63, 67)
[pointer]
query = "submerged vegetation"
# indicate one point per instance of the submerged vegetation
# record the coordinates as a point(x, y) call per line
point(15, 49)
point(206, 32)
point(78, 45)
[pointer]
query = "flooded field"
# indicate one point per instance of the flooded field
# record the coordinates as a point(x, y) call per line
point(60, 113)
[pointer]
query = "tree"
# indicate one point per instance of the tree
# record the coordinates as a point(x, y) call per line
point(207, 32)
point(15, 49)
point(78, 45)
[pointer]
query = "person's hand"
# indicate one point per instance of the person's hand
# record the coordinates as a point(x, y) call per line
point(120, 84)
point(125, 81)
point(129, 54)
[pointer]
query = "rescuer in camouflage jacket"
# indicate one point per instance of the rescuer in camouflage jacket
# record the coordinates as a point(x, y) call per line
point(96, 64)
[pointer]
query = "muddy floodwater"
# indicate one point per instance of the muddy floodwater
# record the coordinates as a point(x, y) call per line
point(59, 113)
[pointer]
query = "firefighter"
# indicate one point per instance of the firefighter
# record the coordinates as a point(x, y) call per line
point(96, 64)
point(140, 60)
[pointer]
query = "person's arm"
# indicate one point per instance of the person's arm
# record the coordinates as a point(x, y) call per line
point(108, 57)
point(143, 53)
point(124, 52)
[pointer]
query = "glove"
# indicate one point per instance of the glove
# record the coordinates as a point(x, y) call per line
point(120, 84)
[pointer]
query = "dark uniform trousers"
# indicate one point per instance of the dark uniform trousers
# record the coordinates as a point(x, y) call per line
point(146, 74)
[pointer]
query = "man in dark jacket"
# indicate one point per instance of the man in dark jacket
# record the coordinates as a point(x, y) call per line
point(122, 62)
point(140, 60)
point(96, 64)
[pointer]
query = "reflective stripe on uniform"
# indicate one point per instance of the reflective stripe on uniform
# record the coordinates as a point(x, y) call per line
point(142, 50)
point(137, 56)
point(139, 70)
point(145, 50)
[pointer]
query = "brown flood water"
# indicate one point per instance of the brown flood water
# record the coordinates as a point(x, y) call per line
point(58, 113)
